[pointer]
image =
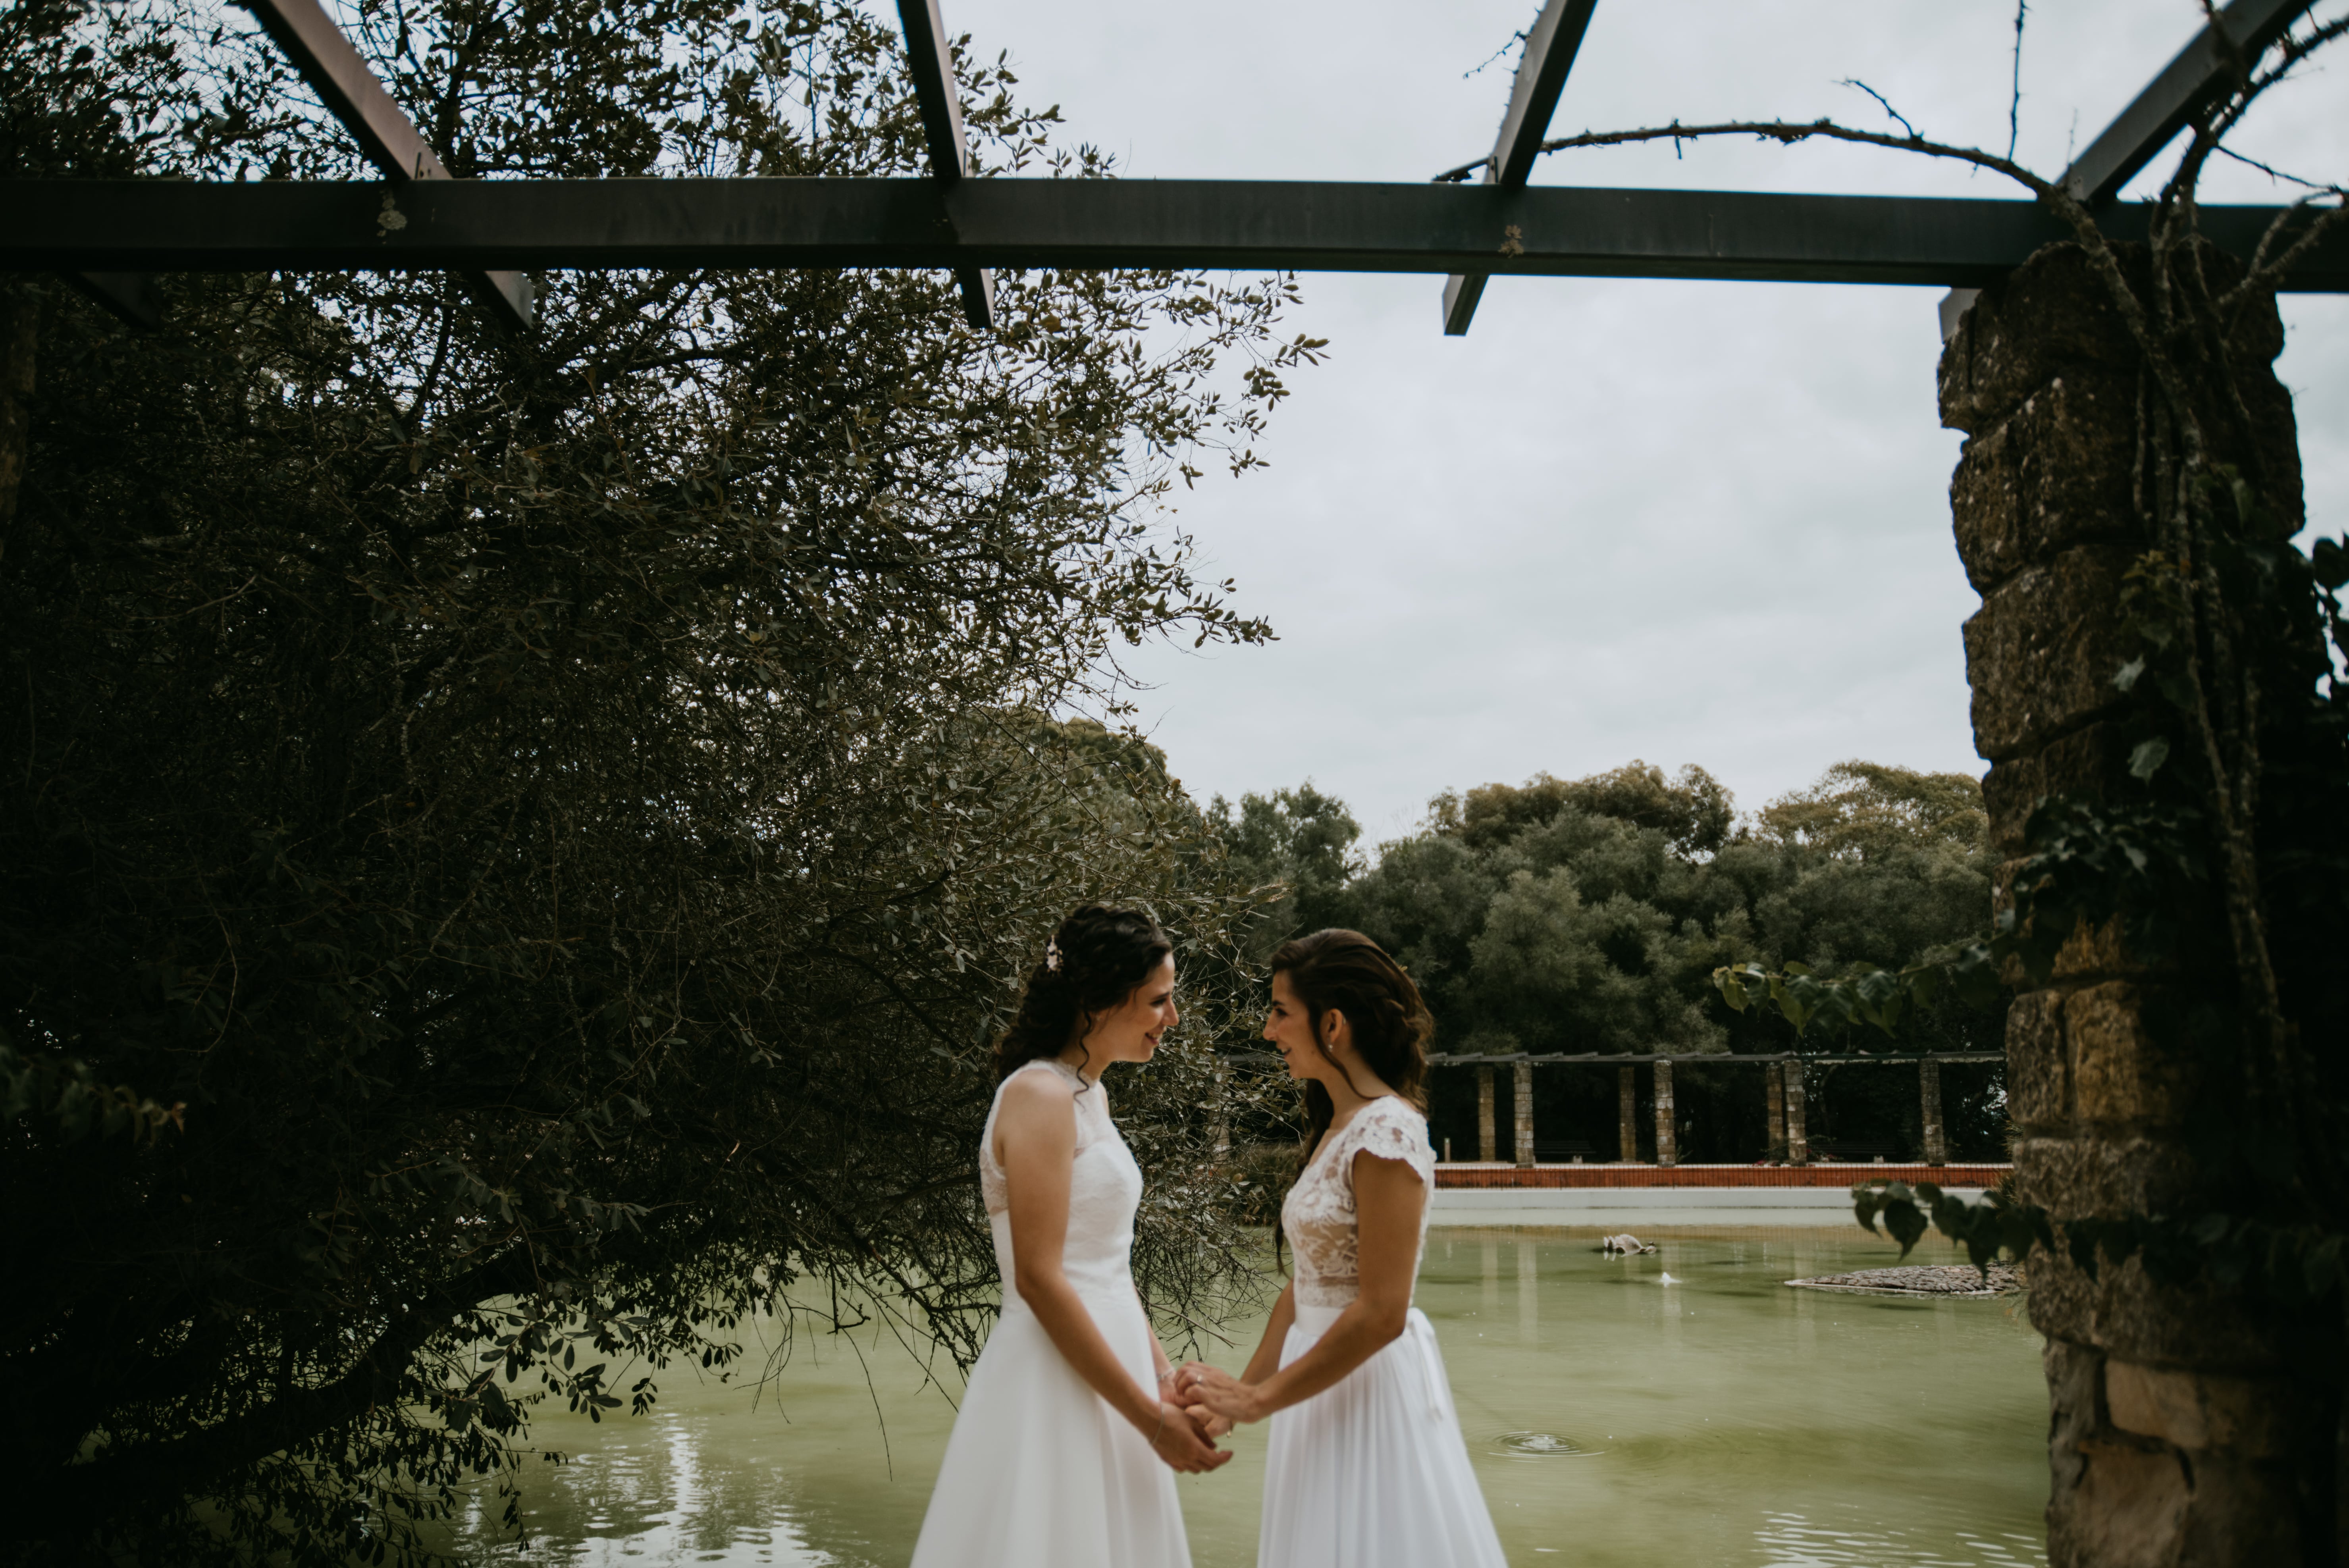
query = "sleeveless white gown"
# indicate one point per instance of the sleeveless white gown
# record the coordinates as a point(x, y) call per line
point(1041, 1472)
point(1371, 1472)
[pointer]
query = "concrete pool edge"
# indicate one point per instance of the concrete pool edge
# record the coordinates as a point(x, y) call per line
point(1629, 1207)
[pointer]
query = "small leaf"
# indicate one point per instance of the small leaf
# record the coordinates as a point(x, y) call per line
point(2126, 677)
point(2146, 759)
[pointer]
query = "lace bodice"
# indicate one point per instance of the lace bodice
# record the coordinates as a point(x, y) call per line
point(1104, 1190)
point(1317, 1216)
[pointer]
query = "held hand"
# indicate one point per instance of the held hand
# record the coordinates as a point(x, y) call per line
point(1212, 1425)
point(1179, 1442)
point(1219, 1393)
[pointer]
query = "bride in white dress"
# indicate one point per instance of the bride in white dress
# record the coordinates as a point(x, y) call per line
point(1064, 1451)
point(1366, 1466)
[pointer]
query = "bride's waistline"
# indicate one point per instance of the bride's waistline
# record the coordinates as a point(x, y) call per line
point(1116, 1294)
point(1315, 1321)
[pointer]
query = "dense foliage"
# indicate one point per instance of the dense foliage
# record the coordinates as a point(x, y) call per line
point(1590, 915)
point(542, 832)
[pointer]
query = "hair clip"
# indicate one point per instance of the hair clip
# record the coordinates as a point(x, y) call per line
point(1052, 956)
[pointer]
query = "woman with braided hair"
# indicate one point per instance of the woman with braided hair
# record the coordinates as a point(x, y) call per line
point(1063, 1452)
point(1366, 1467)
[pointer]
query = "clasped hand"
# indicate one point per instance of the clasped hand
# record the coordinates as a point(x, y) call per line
point(1182, 1441)
point(1217, 1401)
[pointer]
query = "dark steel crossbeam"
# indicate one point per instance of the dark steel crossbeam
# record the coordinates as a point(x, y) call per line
point(389, 138)
point(2201, 71)
point(1714, 1059)
point(1550, 48)
point(1555, 231)
point(930, 60)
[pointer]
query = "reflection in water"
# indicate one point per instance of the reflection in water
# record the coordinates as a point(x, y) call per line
point(1723, 1420)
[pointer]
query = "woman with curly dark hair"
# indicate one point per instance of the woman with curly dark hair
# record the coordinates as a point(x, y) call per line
point(1366, 1466)
point(1062, 1455)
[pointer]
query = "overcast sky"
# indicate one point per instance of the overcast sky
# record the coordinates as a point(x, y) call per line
point(1684, 521)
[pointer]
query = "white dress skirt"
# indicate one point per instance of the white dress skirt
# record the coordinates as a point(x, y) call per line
point(1372, 1471)
point(1041, 1472)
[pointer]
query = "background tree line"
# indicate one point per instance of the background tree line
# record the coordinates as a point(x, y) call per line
point(1587, 915)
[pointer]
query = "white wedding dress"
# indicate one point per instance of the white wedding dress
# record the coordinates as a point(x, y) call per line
point(1041, 1472)
point(1371, 1472)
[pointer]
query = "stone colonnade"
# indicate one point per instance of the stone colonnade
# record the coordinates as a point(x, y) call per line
point(2177, 1413)
point(1787, 1140)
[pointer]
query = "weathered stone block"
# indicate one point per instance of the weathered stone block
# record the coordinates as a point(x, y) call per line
point(2056, 315)
point(2053, 474)
point(2125, 1312)
point(2103, 1177)
point(2042, 651)
point(2038, 1087)
point(2129, 1510)
point(2118, 1074)
point(2258, 1418)
point(2087, 763)
point(2051, 316)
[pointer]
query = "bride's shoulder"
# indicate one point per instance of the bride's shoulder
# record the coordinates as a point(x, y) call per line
point(1391, 1128)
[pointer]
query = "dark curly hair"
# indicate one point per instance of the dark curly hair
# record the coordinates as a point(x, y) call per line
point(1347, 972)
point(1104, 953)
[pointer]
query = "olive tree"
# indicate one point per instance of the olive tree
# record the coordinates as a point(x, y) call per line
point(512, 850)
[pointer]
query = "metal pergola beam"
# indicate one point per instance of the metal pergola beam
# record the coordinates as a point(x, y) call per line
point(1557, 232)
point(391, 140)
point(2200, 72)
point(929, 58)
point(1715, 1058)
point(1550, 48)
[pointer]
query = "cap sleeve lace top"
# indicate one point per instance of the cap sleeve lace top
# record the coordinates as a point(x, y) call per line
point(1317, 1216)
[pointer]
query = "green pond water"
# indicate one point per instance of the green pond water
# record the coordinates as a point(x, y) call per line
point(1614, 1419)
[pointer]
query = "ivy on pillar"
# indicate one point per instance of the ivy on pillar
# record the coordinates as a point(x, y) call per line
point(1668, 1151)
point(1486, 1150)
point(1929, 1100)
point(1627, 1114)
point(1525, 1113)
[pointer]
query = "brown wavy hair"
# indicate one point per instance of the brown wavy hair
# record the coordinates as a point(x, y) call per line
point(1104, 953)
point(1346, 973)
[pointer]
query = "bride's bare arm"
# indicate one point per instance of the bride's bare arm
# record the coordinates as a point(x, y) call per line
point(1388, 1198)
point(1035, 1140)
point(1262, 1365)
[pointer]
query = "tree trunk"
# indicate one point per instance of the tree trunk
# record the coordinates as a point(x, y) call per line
point(2186, 1428)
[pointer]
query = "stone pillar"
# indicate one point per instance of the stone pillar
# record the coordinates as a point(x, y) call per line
point(1798, 1138)
point(1774, 1089)
point(1485, 1140)
point(1524, 1108)
point(1668, 1143)
point(1627, 1115)
point(2187, 1427)
point(1929, 1100)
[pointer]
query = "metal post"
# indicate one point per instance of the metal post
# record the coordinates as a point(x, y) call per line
point(1798, 1140)
point(1929, 1091)
point(1627, 1114)
point(1485, 1140)
point(1667, 1139)
point(1525, 1116)
point(1774, 1084)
